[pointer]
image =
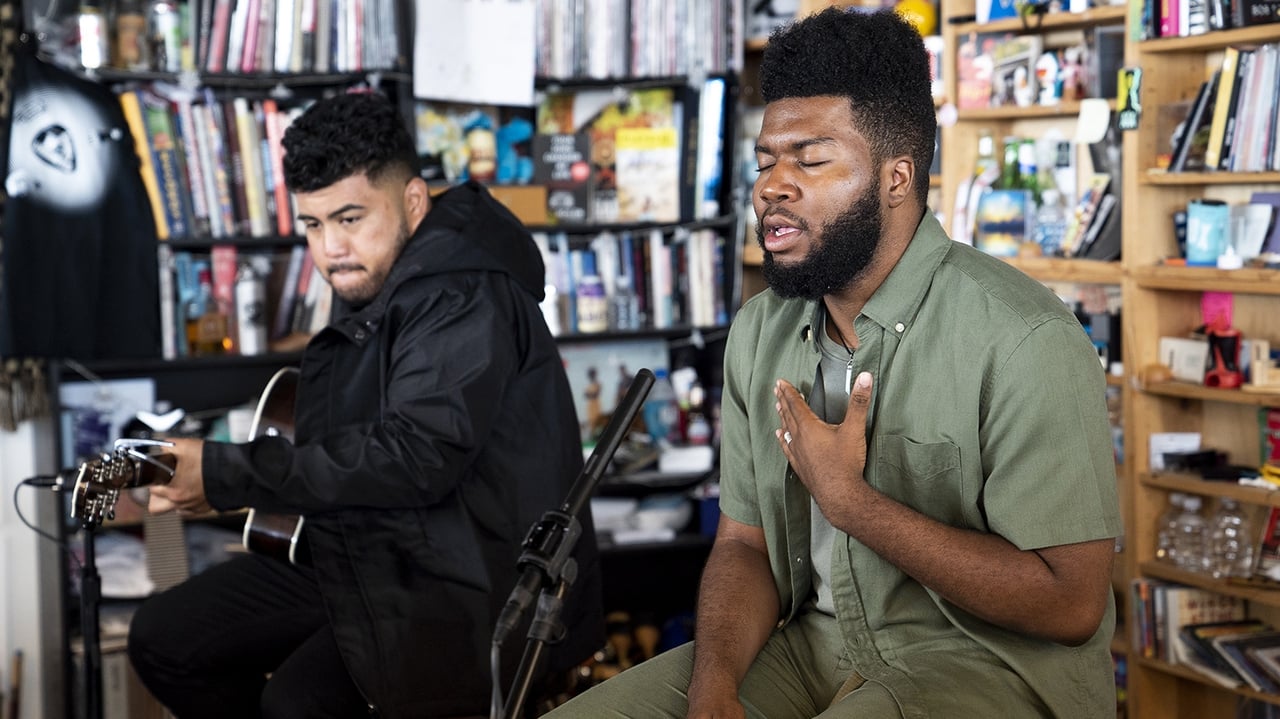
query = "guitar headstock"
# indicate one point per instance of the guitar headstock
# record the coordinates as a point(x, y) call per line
point(99, 481)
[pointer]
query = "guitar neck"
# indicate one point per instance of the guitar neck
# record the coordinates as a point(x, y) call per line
point(146, 474)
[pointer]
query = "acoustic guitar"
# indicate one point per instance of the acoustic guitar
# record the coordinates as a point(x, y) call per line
point(276, 535)
point(134, 463)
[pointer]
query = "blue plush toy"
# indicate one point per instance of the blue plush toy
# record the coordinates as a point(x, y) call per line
point(514, 168)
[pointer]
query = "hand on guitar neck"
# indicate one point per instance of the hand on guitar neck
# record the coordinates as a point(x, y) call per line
point(185, 491)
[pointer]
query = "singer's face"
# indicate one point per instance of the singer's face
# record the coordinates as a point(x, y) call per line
point(357, 228)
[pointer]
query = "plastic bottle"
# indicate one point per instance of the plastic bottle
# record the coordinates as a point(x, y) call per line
point(1231, 541)
point(622, 305)
point(1192, 537)
point(1051, 223)
point(593, 306)
point(661, 413)
point(1167, 530)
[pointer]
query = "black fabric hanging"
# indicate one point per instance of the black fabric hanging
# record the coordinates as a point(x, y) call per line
point(79, 263)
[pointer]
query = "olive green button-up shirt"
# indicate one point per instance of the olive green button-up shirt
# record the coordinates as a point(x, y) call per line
point(987, 413)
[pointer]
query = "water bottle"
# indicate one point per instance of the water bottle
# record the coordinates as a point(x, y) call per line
point(661, 413)
point(1167, 530)
point(1230, 541)
point(1192, 537)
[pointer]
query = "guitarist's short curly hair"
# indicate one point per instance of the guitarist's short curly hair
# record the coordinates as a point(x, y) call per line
point(345, 135)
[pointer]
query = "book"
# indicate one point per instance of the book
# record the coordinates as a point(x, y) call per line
point(1272, 243)
point(1002, 222)
point(1182, 606)
point(1224, 104)
point(1232, 648)
point(1078, 222)
point(288, 296)
point(1266, 658)
point(1199, 639)
point(175, 194)
point(1193, 137)
point(250, 145)
point(648, 174)
point(131, 105)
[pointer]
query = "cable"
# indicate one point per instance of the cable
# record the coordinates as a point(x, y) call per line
point(42, 482)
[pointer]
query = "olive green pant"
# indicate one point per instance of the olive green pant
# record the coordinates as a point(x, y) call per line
point(800, 672)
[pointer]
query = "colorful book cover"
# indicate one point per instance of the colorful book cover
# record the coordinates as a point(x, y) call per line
point(648, 174)
point(1001, 224)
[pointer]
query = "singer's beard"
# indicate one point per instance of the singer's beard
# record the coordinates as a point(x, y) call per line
point(844, 249)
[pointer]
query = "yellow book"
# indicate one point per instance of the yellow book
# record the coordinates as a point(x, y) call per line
point(1222, 107)
point(133, 115)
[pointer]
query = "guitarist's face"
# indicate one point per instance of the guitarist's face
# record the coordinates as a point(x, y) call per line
point(356, 230)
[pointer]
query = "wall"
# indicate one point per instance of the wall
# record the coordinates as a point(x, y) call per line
point(30, 603)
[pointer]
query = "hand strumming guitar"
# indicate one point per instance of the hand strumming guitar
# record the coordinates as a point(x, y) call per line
point(185, 492)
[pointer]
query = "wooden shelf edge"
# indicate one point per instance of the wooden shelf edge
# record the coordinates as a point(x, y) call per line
point(1161, 177)
point(1093, 17)
point(1192, 675)
point(1192, 484)
point(1248, 280)
point(1212, 40)
point(1157, 570)
point(1058, 269)
point(1062, 109)
point(1187, 390)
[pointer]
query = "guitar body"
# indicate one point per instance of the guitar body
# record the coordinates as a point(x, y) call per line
point(272, 534)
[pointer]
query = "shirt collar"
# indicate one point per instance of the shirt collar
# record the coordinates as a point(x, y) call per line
point(896, 302)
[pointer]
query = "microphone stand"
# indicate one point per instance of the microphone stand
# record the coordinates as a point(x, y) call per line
point(546, 562)
point(90, 598)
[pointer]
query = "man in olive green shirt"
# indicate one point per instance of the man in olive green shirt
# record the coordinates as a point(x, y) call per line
point(917, 484)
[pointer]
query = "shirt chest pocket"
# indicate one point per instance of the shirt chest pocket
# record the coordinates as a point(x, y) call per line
point(923, 476)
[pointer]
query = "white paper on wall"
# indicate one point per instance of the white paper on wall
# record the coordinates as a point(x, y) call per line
point(476, 51)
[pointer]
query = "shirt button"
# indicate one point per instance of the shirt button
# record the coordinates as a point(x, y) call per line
point(899, 327)
point(799, 560)
point(359, 334)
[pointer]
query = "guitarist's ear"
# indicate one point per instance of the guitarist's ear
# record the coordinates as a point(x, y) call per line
point(417, 202)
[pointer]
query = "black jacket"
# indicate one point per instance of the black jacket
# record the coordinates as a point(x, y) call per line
point(434, 426)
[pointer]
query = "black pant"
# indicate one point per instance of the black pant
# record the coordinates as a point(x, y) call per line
point(206, 647)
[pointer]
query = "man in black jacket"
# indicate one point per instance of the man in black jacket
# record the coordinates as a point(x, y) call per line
point(434, 426)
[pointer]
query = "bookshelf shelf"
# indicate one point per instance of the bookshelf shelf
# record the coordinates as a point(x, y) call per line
point(1093, 17)
point(1192, 484)
point(249, 81)
point(987, 114)
point(1266, 596)
point(1190, 674)
point(1215, 40)
point(1207, 279)
point(1162, 178)
point(1055, 269)
point(1187, 390)
point(596, 228)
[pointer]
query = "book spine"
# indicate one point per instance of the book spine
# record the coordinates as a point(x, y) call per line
point(168, 300)
point(225, 115)
point(194, 170)
point(164, 151)
point(131, 105)
point(1227, 87)
point(288, 293)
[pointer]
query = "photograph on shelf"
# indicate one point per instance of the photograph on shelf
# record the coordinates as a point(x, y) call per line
point(1013, 70)
point(94, 414)
point(601, 372)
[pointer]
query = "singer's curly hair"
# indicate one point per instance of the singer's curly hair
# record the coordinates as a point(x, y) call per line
point(878, 61)
point(345, 135)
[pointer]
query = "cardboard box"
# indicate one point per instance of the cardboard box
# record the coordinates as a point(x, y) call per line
point(527, 202)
